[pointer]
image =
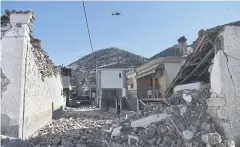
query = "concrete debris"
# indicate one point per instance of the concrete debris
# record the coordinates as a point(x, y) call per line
point(229, 143)
point(187, 134)
point(211, 138)
point(75, 129)
point(176, 123)
point(190, 86)
point(132, 139)
point(187, 123)
point(187, 97)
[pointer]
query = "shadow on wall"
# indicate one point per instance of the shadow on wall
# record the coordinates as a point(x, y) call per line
point(6, 129)
point(5, 82)
point(56, 113)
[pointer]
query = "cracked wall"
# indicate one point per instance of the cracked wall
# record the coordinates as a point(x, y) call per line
point(43, 96)
point(224, 103)
point(32, 85)
point(12, 63)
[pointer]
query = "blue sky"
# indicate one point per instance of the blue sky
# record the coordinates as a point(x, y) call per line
point(144, 28)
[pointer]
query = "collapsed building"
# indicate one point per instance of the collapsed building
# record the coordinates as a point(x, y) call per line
point(202, 102)
point(216, 60)
point(32, 89)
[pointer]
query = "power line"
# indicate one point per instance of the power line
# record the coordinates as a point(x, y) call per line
point(90, 40)
point(89, 36)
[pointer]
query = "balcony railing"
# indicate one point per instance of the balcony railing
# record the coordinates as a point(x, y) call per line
point(146, 93)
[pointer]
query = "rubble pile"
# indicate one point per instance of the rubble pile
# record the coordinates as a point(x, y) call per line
point(150, 109)
point(188, 125)
point(73, 129)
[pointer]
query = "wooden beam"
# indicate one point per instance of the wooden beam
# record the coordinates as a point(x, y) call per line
point(206, 68)
point(183, 67)
point(193, 64)
point(199, 65)
point(194, 53)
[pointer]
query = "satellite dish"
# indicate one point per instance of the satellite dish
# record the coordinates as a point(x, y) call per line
point(189, 50)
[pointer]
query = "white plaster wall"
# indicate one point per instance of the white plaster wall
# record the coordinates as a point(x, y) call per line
point(42, 97)
point(171, 70)
point(226, 68)
point(110, 78)
point(12, 45)
point(216, 82)
point(27, 102)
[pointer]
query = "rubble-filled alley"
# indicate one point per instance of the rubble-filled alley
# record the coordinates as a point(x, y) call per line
point(73, 129)
point(185, 124)
point(187, 98)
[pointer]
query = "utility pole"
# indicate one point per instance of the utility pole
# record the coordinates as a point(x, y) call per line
point(96, 72)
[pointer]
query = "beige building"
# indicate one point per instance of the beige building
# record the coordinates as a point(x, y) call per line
point(151, 79)
point(131, 83)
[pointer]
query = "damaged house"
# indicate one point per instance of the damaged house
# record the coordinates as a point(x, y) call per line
point(66, 75)
point(32, 93)
point(150, 80)
point(111, 85)
point(216, 60)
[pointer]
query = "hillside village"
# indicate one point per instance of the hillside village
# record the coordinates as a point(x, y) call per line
point(186, 96)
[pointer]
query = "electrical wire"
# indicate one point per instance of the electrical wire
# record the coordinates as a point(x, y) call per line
point(89, 35)
point(90, 41)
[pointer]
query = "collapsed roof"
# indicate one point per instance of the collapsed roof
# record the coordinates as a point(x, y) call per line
point(196, 65)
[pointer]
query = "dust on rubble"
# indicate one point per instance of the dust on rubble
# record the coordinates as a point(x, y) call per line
point(187, 124)
point(74, 129)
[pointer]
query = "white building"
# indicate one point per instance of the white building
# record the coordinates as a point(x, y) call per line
point(111, 84)
point(32, 93)
point(66, 74)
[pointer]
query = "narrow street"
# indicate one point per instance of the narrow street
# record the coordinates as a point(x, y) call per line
point(77, 127)
point(120, 74)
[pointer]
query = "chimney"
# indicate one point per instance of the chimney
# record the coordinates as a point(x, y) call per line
point(21, 17)
point(182, 45)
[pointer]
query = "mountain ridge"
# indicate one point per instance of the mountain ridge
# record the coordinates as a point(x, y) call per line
point(111, 55)
point(108, 56)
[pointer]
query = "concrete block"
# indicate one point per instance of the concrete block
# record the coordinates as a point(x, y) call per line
point(215, 77)
point(222, 113)
point(187, 97)
point(191, 86)
point(212, 111)
point(215, 102)
point(143, 122)
point(211, 138)
point(187, 134)
point(132, 139)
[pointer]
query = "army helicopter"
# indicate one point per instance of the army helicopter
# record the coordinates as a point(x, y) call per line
point(116, 13)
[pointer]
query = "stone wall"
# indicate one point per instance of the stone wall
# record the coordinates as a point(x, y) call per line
point(32, 90)
point(224, 103)
point(43, 99)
